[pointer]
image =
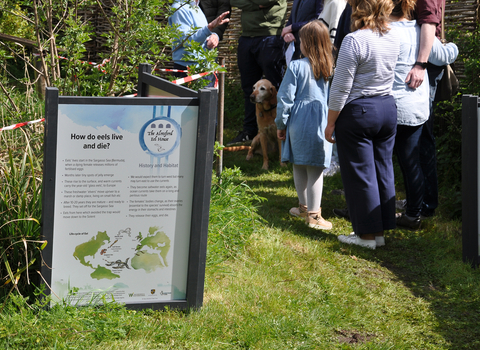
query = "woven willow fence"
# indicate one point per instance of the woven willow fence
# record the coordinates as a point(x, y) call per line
point(459, 13)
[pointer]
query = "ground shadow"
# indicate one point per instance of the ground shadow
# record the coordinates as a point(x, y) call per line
point(411, 256)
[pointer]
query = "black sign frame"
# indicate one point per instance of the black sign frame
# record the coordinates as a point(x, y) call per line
point(206, 100)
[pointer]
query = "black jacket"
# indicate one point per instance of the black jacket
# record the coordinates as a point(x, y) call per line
point(214, 8)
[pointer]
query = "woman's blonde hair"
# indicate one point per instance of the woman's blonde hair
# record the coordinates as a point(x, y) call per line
point(318, 48)
point(403, 8)
point(371, 14)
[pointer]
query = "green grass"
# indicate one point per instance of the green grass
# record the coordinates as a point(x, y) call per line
point(271, 282)
point(286, 286)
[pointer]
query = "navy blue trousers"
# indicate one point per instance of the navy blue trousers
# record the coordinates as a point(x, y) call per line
point(365, 133)
point(259, 57)
point(407, 149)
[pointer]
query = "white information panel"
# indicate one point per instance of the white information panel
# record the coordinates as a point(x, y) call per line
point(123, 202)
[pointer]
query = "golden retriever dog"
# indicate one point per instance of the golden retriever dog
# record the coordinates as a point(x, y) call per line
point(264, 96)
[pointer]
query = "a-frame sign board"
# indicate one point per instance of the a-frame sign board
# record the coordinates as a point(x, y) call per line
point(126, 196)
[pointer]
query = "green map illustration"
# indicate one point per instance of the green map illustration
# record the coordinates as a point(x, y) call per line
point(109, 257)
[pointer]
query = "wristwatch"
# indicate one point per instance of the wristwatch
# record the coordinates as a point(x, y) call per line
point(421, 64)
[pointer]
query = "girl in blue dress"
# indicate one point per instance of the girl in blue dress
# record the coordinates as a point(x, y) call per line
point(301, 119)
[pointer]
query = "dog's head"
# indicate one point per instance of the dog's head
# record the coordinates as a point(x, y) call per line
point(264, 92)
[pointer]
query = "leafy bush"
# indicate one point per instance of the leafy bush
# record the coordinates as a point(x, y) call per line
point(448, 124)
point(468, 43)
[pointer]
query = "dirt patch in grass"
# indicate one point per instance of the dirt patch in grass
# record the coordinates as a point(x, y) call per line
point(353, 337)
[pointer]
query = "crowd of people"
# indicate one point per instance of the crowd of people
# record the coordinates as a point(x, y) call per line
point(361, 76)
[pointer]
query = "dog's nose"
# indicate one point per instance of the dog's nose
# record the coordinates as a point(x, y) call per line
point(252, 98)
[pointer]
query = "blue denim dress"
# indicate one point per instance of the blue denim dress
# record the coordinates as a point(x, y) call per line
point(302, 110)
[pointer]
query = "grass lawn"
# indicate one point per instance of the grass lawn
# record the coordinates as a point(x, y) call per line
point(291, 287)
point(278, 284)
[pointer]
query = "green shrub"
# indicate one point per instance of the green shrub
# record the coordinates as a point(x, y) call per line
point(233, 216)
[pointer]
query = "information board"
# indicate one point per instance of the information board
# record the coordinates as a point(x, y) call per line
point(121, 199)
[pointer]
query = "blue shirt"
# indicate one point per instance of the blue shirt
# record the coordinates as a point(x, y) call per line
point(413, 105)
point(188, 17)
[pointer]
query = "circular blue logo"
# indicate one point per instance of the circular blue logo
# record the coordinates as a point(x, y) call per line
point(160, 136)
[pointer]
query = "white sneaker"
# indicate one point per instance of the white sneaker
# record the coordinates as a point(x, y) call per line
point(379, 240)
point(356, 240)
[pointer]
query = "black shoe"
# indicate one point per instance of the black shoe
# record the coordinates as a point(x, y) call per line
point(427, 213)
point(404, 220)
point(342, 213)
point(242, 139)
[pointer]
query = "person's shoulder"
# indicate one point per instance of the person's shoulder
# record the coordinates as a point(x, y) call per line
point(299, 64)
point(403, 24)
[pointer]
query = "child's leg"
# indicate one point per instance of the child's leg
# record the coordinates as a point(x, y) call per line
point(314, 217)
point(300, 179)
point(314, 187)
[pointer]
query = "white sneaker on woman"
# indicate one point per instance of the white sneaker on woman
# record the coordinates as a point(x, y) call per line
point(379, 240)
point(356, 240)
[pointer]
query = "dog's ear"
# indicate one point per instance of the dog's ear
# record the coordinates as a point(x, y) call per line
point(273, 91)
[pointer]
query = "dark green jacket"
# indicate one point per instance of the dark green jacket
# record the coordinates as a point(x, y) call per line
point(258, 21)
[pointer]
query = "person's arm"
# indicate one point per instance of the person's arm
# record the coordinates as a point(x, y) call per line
point(345, 72)
point(443, 54)
point(212, 40)
point(285, 98)
point(184, 22)
point(223, 6)
point(427, 35)
point(314, 15)
point(330, 129)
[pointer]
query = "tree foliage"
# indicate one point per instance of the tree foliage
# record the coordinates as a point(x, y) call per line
point(134, 32)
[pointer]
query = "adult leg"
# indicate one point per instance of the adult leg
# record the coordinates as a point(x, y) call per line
point(250, 73)
point(428, 156)
point(357, 164)
point(383, 143)
point(407, 149)
point(270, 55)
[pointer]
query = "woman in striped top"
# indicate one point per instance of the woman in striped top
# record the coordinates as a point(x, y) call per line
point(363, 115)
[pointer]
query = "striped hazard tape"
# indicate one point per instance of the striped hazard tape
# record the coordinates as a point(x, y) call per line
point(19, 125)
point(178, 81)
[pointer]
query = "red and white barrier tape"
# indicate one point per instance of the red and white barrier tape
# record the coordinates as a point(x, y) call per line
point(171, 70)
point(15, 126)
point(95, 65)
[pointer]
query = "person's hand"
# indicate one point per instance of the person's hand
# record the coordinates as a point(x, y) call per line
point(219, 21)
point(281, 134)
point(212, 41)
point(286, 30)
point(329, 133)
point(289, 37)
point(415, 77)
